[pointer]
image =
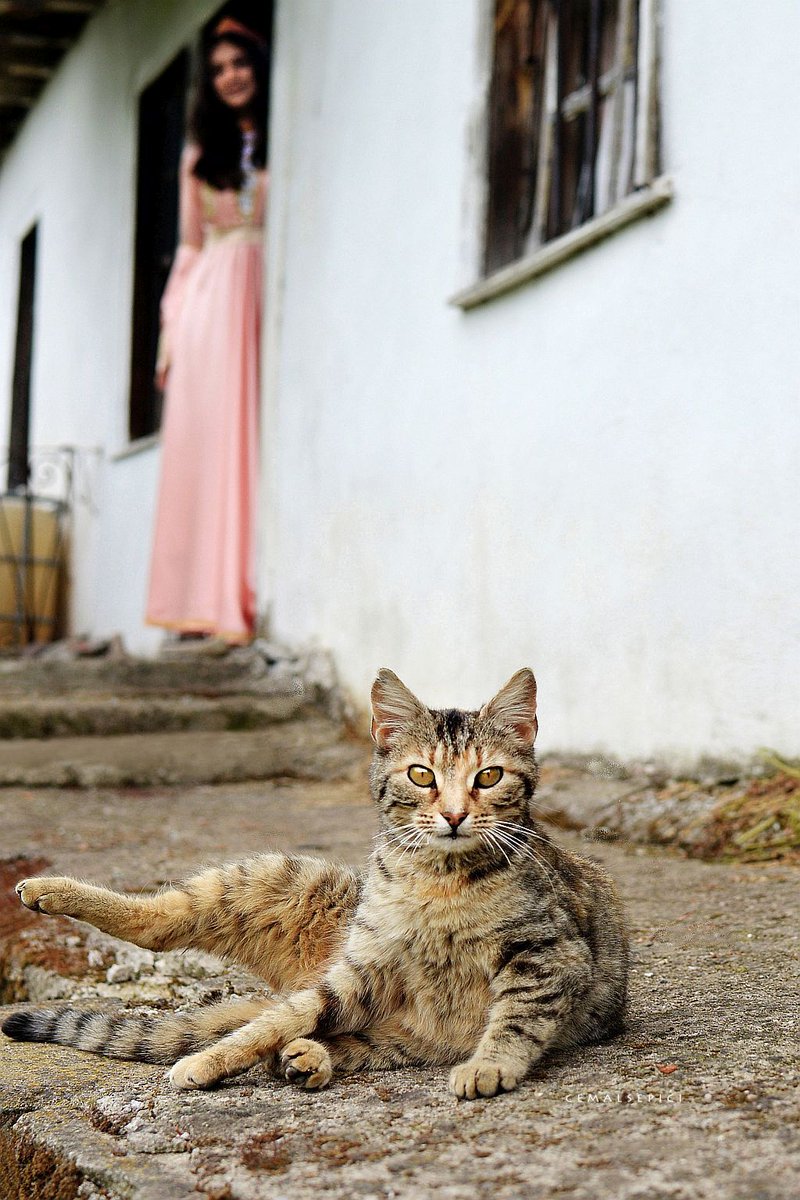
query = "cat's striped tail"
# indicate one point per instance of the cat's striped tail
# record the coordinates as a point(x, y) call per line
point(145, 1037)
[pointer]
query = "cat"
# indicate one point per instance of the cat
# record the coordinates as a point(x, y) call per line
point(472, 940)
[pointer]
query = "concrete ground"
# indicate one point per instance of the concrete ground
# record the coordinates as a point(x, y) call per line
point(697, 1101)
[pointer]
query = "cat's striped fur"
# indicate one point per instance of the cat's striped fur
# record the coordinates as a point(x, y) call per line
point(472, 940)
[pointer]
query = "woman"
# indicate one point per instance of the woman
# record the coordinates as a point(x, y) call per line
point(201, 579)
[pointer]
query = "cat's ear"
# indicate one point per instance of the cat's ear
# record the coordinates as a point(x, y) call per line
point(515, 706)
point(393, 707)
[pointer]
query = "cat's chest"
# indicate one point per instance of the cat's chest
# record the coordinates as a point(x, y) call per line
point(437, 953)
point(430, 933)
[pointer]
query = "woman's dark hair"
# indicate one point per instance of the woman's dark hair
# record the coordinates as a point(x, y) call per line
point(214, 127)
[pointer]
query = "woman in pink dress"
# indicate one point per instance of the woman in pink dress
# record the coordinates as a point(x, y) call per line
point(201, 578)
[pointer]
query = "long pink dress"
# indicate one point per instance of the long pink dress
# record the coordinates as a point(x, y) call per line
point(201, 575)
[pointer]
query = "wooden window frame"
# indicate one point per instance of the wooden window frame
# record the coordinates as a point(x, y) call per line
point(616, 180)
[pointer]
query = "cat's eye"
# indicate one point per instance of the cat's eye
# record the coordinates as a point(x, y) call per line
point(421, 776)
point(488, 777)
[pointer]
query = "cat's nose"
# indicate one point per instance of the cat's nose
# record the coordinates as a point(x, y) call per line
point(454, 819)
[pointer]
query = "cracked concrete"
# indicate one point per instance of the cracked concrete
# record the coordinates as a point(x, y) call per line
point(697, 1101)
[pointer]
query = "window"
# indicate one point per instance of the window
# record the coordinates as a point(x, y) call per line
point(573, 121)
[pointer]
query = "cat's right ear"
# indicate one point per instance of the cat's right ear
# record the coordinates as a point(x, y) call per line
point(393, 707)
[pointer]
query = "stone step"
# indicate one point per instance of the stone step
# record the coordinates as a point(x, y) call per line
point(310, 747)
point(241, 671)
point(82, 715)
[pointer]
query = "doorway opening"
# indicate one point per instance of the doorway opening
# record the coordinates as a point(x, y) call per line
point(19, 434)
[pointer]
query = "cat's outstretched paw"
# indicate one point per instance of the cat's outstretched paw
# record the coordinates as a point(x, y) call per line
point(306, 1063)
point(483, 1077)
point(195, 1071)
point(49, 894)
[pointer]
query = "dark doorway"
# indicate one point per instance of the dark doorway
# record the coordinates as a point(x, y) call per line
point(161, 129)
point(23, 360)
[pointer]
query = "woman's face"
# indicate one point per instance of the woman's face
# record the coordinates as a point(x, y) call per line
point(232, 76)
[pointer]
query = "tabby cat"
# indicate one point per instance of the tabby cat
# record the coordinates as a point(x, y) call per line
point(472, 940)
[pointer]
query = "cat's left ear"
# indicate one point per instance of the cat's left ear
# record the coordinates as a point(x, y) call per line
point(515, 706)
point(393, 707)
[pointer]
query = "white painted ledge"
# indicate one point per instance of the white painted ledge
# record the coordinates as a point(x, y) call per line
point(137, 447)
point(646, 200)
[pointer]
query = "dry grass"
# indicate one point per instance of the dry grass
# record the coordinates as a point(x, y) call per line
point(759, 824)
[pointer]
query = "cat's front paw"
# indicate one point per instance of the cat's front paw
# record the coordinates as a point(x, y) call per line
point(306, 1063)
point(195, 1071)
point(483, 1077)
point(49, 894)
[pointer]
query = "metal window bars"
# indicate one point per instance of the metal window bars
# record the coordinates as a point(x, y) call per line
point(573, 116)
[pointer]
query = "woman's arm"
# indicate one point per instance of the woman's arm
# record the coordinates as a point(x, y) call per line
point(189, 245)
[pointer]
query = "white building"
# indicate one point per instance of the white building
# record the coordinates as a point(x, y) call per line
point(593, 472)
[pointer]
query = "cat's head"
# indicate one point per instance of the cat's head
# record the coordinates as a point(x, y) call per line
point(448, 779)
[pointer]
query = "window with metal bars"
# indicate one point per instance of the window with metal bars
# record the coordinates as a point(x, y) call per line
point(573, 124)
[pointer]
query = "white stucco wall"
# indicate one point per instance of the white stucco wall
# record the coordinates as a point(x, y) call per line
point(595, 474)
point(73, 168)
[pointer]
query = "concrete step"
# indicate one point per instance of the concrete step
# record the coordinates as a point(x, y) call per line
point(75, 714)
point(241, 671)
point(309, 747)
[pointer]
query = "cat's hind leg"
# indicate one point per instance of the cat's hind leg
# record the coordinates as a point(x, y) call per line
point(281, 916)
point(343, 1002)
point(306, 1063)
point(310, 1064)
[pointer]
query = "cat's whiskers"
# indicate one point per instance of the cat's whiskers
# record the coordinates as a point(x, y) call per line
point(500, 838)
point(394, 835)
point(514, 843)
point(400, 839)
point(486, 836)
point(413, 844)
point(410, 840)
point(523, 829)
point(404, 839)
point(520, 833)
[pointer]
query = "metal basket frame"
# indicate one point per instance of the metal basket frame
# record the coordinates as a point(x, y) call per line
point(50, 484)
